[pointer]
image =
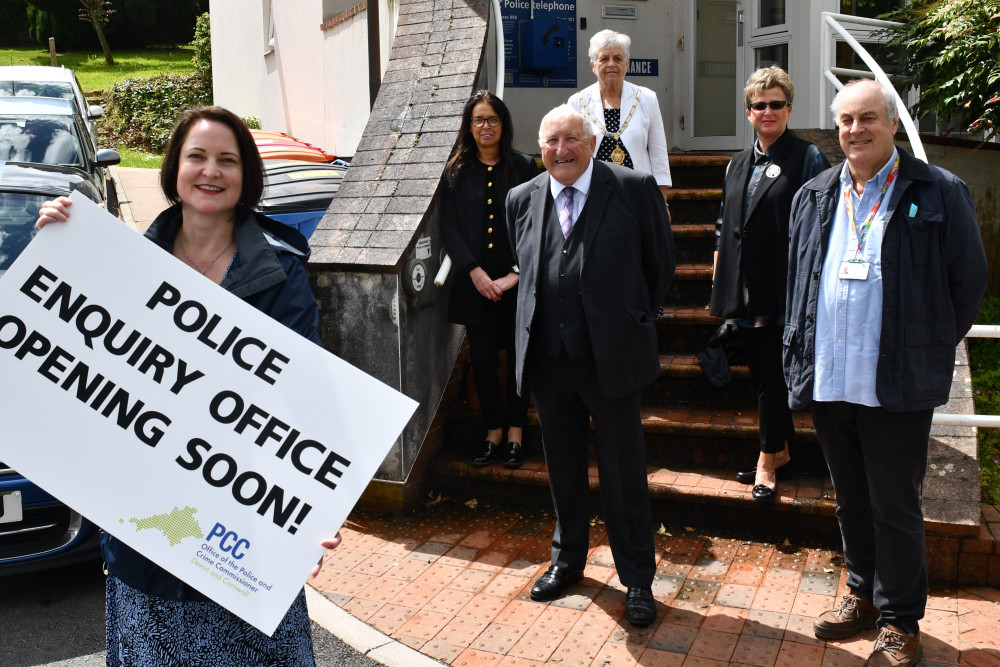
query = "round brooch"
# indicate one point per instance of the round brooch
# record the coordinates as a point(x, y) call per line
point(772, 171)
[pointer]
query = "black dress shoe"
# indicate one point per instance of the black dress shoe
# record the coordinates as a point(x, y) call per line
point(749, 476)
point(761, 492)
point(640, 608)
point(553, 582)
point(487, 455)
point(514, 458)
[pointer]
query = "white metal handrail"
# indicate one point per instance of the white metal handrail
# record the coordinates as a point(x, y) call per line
point(832, 24)
point(980, 421)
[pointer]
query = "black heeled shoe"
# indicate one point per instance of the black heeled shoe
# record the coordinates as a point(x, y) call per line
point(749, 476)
point(514, 458)
point(764, 493)
point(489, 453)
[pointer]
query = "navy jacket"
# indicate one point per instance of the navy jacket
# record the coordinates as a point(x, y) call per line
point(269, 273)
point(933, 276)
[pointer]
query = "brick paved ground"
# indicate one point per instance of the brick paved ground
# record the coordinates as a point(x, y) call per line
point(452, 582)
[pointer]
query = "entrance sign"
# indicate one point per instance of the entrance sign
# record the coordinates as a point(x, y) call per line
point(205, 435)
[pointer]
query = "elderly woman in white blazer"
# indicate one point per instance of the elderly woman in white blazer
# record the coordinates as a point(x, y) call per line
point(626, 117)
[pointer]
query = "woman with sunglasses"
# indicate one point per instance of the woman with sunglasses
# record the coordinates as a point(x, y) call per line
point(483, 167)
point(751, 257)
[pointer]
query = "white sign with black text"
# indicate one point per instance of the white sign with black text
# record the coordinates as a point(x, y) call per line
point(205, 435)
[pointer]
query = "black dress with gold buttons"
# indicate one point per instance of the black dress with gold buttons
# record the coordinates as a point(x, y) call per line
point(474, 228)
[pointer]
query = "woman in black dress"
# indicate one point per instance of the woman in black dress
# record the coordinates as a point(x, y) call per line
point(481, 170)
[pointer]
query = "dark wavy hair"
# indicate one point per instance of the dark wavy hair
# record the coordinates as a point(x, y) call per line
point(466, 151)
point(253, 168)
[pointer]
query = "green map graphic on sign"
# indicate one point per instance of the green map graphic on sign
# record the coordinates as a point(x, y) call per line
point(176, 526)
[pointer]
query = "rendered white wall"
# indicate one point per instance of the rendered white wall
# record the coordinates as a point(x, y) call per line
point(313, 84)
point(238, 42)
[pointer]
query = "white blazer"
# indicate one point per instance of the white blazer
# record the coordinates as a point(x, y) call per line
point(644, 138)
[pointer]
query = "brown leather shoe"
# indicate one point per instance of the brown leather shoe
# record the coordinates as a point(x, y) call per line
point(853, 615)
point(895, 648)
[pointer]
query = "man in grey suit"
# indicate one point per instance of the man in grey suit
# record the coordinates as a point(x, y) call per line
point(596, 258)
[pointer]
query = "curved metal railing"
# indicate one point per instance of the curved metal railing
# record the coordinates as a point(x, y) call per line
point(833, 23)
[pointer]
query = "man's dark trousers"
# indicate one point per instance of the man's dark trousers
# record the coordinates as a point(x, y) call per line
point(566, 394)
point(877, 461)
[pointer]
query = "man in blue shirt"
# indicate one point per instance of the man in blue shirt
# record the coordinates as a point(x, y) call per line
point(886, 274)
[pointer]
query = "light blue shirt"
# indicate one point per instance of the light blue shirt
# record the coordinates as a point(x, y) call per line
point(582, 186)
point(849, 313)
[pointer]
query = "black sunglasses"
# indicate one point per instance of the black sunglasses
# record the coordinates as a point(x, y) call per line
point(776, 105)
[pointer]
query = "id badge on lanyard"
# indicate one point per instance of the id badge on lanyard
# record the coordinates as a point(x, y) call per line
point(857, 268)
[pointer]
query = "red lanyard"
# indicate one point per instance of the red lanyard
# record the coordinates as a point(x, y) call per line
point(871, 216)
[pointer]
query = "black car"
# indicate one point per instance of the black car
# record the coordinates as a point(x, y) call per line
point(36, 530)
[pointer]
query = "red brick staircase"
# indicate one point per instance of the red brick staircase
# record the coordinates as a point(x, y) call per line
point(696, 436)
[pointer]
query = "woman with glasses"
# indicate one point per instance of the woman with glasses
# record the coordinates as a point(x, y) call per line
point(482, 168)
point(751, 257)
point(625, 117)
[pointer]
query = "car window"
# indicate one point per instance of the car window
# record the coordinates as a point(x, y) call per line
point(18, 213)
point(41, 89)
point(40, 139)
point(6, 88)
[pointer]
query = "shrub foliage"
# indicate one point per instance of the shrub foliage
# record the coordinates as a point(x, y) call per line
point(143, 110)
point(949, 49)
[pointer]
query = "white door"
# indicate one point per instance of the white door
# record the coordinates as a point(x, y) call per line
point(710, 117)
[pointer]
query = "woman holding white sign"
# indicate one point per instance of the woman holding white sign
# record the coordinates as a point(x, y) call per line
point(213, 176)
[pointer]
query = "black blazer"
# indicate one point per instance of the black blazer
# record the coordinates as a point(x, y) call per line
point(628, 266)
point(757, 247)
point(464, 228)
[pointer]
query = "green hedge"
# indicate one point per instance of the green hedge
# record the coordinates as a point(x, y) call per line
point(142, 111)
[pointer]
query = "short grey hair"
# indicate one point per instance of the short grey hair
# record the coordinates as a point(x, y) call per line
point(564, 111)
point(607, 39)
point(888, 99)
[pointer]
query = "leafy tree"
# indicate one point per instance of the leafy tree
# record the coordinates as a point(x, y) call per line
point(98, 12)
point(950, 49)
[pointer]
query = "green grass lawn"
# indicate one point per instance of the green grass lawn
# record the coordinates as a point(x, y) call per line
point(96, 75)
point(134, 158)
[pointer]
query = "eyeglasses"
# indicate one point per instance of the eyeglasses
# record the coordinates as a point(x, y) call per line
point(492, 121)
point(776, 105)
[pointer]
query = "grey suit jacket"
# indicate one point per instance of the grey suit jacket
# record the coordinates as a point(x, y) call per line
point(628, 266)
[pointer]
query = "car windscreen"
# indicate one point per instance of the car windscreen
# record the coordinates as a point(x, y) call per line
point(18, 213)
point(41, 139)
point(59, 89)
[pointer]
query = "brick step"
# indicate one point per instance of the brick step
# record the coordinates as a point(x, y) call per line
point(702, 497)
point(692, 285)
point(698, 170)
point(685, 328)
point(676, 435)
point(694, 205)
point(683, 382)
point(695, 243)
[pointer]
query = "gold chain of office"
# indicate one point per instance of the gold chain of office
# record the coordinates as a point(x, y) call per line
point(618, 154)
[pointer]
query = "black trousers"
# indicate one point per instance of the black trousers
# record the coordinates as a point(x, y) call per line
point(763, 350)
point(567, 395)
point(877, 461)
point(496, 332)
